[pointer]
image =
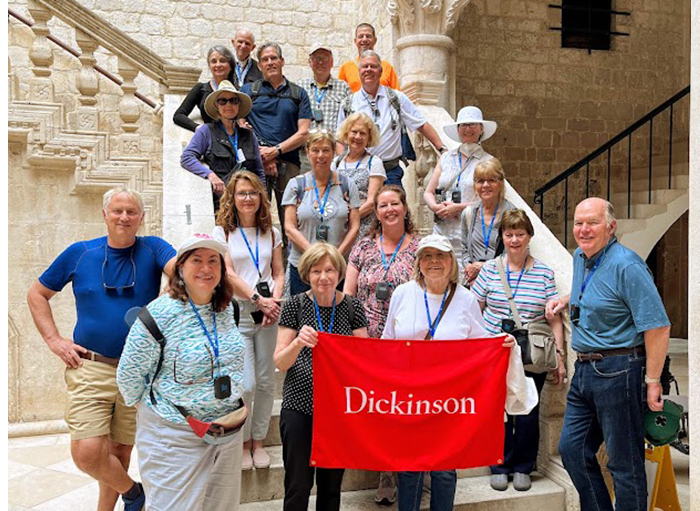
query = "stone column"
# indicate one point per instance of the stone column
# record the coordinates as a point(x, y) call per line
point(693, 259)
point(87, 83)
point(40, 86)
point(129, 109)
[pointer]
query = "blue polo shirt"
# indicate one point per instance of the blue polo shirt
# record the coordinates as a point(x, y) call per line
point(92, 264)
point(620, 301)
point(275, 115)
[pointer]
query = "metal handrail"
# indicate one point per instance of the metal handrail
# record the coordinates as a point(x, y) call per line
point(76, 54)
point(606, 148)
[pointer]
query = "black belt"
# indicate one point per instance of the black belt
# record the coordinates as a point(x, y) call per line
point(599, 355)
point(391, 164)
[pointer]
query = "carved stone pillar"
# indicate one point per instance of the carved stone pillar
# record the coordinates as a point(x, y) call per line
point(129, 109)
point(40, 86)
point(87, 83)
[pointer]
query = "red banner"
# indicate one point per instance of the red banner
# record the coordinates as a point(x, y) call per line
point(408, 405)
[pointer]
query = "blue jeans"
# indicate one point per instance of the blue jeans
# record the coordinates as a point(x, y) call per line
point(296, 285)
point(443, 484)
point(394, 176)
point(606, 403)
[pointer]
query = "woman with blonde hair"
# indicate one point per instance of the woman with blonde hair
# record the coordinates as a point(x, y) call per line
point(357, 133)
point(320, 205)
point(255, 270)
point(480, 223)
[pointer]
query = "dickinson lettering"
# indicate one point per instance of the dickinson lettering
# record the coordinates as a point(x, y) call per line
point(359, 401)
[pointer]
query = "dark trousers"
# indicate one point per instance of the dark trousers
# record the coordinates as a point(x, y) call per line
point(296, 428)
point(277, 186)
point(296, 285)
point(394, 176)
point(522, 437)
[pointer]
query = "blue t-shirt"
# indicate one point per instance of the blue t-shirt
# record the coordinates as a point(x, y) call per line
point(91, 265)
point(620, 301)
point(275, 118)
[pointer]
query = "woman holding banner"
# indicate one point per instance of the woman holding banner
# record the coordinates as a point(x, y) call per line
point(321, 309)
point(532, 286)
point(379, 263)
point(451, 312)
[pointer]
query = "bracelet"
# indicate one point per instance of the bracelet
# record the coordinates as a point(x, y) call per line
point(648, 380)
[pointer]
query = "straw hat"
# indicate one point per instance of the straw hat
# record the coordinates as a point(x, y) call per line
point(210, 104)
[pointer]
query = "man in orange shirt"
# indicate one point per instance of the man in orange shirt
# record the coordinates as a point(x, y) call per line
point(365, 39)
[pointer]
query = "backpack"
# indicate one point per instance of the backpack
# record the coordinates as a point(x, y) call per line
point(300, 309)
point(344, 187)
point(151, 325)
point(294, 92)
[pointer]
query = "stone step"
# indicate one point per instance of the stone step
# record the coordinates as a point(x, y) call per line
point(473, 494)
point(638, 210)
point(268, 484)
point(626, 226)
point(664, 196)
point(658, 182)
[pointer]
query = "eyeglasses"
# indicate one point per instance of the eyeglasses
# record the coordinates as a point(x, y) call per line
point(223, 101)
point(247, 195)
point(490, 181)
point(320, 60)
point(471, 125)
point(119, 288)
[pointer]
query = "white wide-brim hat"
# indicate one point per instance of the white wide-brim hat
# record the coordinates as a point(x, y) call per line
point(225, 86)
point(201, 241)
point(437, 241)
point(465, 116)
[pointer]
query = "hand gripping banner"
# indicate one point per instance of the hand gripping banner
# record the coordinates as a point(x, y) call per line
point(395, 405)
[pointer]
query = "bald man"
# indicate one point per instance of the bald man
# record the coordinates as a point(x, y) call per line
point(620, 333)
point(245, 69)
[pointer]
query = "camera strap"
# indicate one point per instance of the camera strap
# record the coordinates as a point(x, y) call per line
point(509, 292)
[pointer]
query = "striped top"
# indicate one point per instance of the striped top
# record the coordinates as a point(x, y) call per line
point(536, 288)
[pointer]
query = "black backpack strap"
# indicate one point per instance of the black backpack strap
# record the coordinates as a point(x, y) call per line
point(151, 325)
point(344, 186)
point(236, 311)
point(347, 106)
point(255, 89)
point(294, 93)
point(351, 310)
point(300, 310)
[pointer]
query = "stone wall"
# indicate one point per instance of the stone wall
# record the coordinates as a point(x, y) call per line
point(555, 105)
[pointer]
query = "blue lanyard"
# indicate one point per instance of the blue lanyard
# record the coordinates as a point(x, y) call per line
point(322, 208)
point(590, 274)
point(233, 140)
point(433, 326)
point(345, 161)
point(243, 72)
point(393, 256)
point(318, 315)
point(461, 168)
point(256, 256)
point(216, 85)
point(519, 277)
point(316, 89)
point(487, 239)
point(215, 343)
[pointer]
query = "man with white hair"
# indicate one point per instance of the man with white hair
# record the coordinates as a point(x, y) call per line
point(620, 333)
point(391, 111)
point(109, 275)
point(245, 68)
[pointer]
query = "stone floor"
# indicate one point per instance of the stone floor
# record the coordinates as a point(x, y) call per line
point(42, 476)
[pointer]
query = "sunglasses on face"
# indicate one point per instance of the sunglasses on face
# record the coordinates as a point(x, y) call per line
point(223, 101)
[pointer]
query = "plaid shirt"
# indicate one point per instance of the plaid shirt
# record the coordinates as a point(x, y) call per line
point(331, 100)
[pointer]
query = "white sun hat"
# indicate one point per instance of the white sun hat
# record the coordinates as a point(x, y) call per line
point(437, 241)
point(467, 115)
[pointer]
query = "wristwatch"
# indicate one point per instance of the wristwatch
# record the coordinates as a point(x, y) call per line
point(279, 149)
point(648, 380)
point(442, 149)
point(255, 297)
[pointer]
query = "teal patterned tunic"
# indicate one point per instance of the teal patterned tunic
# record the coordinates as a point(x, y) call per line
point(189, 365)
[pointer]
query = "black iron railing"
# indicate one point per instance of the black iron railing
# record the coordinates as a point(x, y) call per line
point(573, 171)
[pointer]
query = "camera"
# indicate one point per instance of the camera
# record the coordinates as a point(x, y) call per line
point(263, 289)
point(575, 314)
point(456, 196)
point(382, 291)
point(438, 195)
point(318, 115)
point(508, 325)
point(322, 232)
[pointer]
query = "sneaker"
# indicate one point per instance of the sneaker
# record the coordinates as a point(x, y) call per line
point(260, 458)
point(386, 493)
point(247, 460)
point(135, 504)
point(522, 482)
point(499, 482)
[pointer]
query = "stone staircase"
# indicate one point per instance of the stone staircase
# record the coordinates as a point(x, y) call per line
point(264, 489)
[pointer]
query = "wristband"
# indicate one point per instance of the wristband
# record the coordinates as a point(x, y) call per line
point(648, 380)
point(279, 149)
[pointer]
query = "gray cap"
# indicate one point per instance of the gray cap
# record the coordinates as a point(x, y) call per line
point(319, 46)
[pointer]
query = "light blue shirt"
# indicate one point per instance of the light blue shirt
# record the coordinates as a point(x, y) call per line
point(620, 302)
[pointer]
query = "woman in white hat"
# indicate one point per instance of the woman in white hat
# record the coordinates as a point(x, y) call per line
point(222, 144)
point(451, 187)
point(434, 306)
point(188, 387)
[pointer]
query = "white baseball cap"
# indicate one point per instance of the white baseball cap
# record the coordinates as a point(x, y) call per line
point(437, 241)
point(201, 241)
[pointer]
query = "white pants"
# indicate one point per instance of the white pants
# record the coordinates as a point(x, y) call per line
point(258, 373)
point(181, 472)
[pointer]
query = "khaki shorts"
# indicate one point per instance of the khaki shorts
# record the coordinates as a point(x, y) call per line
point(95, 407)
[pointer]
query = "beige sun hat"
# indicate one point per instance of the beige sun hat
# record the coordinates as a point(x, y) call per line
point(226, 86)
point(467, 115)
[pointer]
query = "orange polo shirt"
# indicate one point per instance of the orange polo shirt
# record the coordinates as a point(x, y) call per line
point(350, 72)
